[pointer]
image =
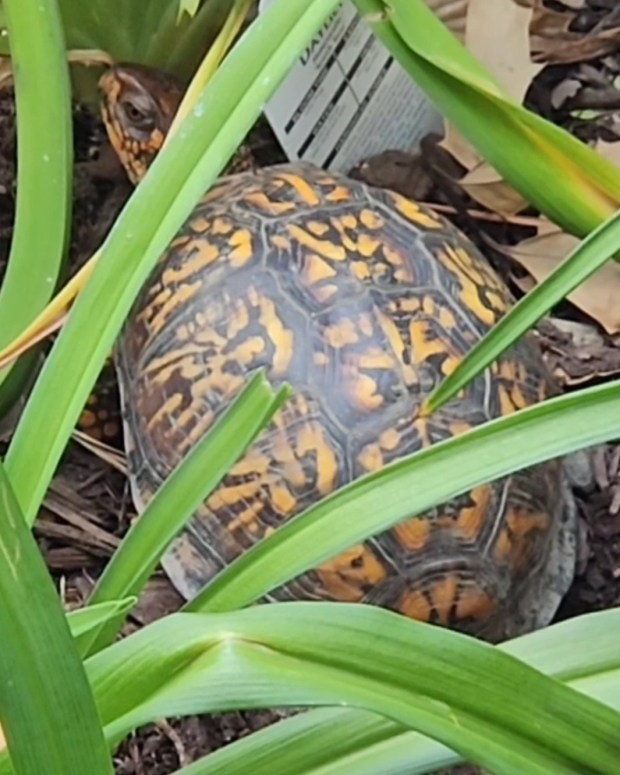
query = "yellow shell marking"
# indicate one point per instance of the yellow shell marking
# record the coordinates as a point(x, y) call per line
point(254, 463)
point(220, 227)
point(280, 242)
point(371, 220)
point(243, 251)
point(413, 534)
point(390, 439)
point(282, 499)
point(318, 228)
point(348, 574)
point(200, 253)
point(281, 337)
point(365, 396)
point(293, 469)
point(360, 270)
point(316, 269)
point(338, 194)
point(200, 225)
point(474, 603)
point(306, 193)
point(239, 320)
point(311, 438)
point(376, 360)
point(342, 334)
point(412, 212)
point(165, 410)
point(324, 248)
point(367, 246)
point(470, 520)
point(262, 202)
point(371, 457)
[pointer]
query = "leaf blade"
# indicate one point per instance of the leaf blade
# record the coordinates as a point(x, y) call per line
point(179, 176)
point(43, 685)
point(465, 693)
point(589, 256)
point(180, 495)
point(564, 179)
point(412, 485)
point(44, 182)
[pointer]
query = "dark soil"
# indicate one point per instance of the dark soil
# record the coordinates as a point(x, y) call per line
point(88, 508)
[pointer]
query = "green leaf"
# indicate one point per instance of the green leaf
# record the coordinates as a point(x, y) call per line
point(44, 182)
point(411, 486)
point(182, 493)
point(328, 741)
point(188, 6)
point(178, 42)
point(152, 33)
point(589, 256)
point(86, 622)
point(170, 49)
point(566, 180)
point(182, 172)
point(467, 694)
point(83, 620)
point(46, 707)
point(582, 652)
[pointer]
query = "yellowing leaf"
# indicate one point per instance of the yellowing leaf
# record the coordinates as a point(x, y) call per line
point(564, 179)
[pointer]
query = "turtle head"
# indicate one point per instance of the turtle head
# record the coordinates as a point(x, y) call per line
point(138, 104)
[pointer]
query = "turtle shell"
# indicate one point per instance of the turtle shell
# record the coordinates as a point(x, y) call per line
point(362, 301)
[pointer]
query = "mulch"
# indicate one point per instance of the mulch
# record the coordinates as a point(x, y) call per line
point(88, 508)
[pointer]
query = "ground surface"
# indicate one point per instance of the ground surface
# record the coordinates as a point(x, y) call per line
point(88, 508)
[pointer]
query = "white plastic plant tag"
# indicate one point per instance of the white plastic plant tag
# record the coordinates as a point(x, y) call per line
point(347, 99)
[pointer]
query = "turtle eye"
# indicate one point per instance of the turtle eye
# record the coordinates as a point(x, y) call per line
point(137, 116)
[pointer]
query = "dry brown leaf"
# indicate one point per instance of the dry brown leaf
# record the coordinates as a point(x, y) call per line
point(570, 47)
point(609, 151)
point(453, 13)
point(505, 54)
point(105, 452)
point(455, 144)
point(486, 186)
point(498, 34)
point(553, 42)
point(575, 5)
point(597, 296)
point(525, 283)
point(548, 25)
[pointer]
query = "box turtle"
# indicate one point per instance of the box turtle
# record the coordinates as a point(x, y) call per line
point(362, 301)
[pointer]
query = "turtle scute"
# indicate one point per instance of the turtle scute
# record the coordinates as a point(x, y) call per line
point(362, 301)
